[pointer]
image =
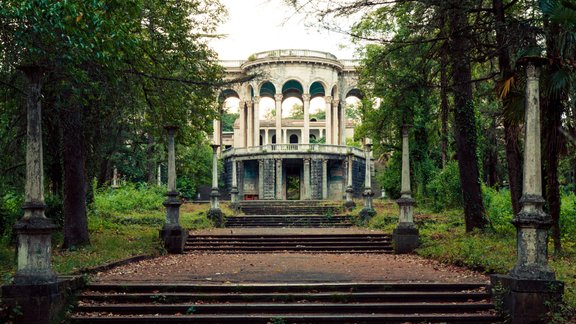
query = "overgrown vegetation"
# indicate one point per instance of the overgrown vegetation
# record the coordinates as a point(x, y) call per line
point(123, 222)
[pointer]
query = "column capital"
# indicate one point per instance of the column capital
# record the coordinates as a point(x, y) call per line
point(335, 102)
point(306, 97)
point(249, 102)
point(278, 97)
point(307, 160)
point(328, 99)
point(256, 99)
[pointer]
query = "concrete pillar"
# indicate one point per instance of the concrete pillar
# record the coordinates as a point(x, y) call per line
point(234, 191)
point(260, 179)
point(306, 180)
point(34, 229)
point(215, 214)
point(306, 131)
point(278, 98)
point(336, 121)
point(342, 122)
point(250, 124)
point(367, 211)
point(172, 234)
point(266, 135)
point(405, 236)
point(257, 121)
point(285, 136)
point(328, 109)
point(216, 133)
point(159, 175)
point(349, 204)
point(279, 180)
point(324, 179)
point(531, 288)
point(115, 177)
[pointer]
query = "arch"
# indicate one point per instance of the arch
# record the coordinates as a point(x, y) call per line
point(292, 88)
point(334, 92)
point(228, 93)
point(317, 89)
point(355, 92)
point(267, 89)
point(293, 139)
point(250, 91)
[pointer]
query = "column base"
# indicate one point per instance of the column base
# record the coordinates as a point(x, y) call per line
point(349, 205)
point(174, 239)
point(526, 300)
point(39, 303)
point(367, 213)
point(405, 238)
point(216, 216)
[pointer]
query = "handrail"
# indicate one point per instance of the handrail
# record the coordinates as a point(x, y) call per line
point(294, 148)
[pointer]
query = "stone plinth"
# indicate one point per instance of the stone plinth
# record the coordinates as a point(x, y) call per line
point(172, 234)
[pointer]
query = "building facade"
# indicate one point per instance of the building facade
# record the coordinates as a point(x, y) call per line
point(281, 158)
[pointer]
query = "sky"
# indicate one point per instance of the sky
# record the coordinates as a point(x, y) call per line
point(262, 25)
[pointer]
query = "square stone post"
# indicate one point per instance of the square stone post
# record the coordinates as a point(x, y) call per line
point(349, 204)
point(328, 121)
point(256, 103)
point(278, 99)
point(530, 289)
point(234, 190)
point(367, 211)
point(260, 179)
point(405, 235)
point(215, 213)
point(279, 180)
point(306, 131)
point(307, 189)
point(325, 179)
point(173, 235)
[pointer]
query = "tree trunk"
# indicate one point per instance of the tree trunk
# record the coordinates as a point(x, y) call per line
point(511, 129)
point(75, 217)
point(150, 163)
point(491, 159)
point(464, 116)
point(444, 108)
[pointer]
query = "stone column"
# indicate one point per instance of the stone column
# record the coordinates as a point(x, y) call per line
point(336, 122)
point(278, 98)
point(215, 214)
point(159, 175)
point(257, 121)
point(367, 211)
point(234, 190)
point(342, 122)
point(115, 178)
point(349, 204)
point(306, 169)
point(306, 132)
point(279, 180)
point(242, 117)
point(324, 179)
point(405, 236)
point(266, 135)
point(250, 124)
point(172, 234)
point(34, 229)
point(260, 179)
point(328, 109)
point(531, 288)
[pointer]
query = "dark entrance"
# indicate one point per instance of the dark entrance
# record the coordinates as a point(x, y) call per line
point(293, 182)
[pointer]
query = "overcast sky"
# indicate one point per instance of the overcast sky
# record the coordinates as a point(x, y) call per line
point(261, 25)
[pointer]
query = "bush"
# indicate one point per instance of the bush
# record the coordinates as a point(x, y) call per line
point(498, 206)
point(129, 198)
point(10, 212)
point(390, 178)
point(568, 215)
point(445, 189)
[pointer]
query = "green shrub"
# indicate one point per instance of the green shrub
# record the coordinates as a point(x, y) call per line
point(498, 206)
point(445, 189)
point(390, 178)
point(129, 198)
point(10, 212)
point(568, 215)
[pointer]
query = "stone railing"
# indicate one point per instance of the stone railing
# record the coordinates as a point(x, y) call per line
point(292, 52)
point(294, 148)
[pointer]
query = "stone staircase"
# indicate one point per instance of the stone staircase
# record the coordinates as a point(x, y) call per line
point(295, 243)
point(288, 221)
point(285, 303)
point(290, 207)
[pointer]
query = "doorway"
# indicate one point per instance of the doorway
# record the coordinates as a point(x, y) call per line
point(292, 182)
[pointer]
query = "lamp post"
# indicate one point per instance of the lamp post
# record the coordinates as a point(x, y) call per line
point(405, 235)
point(349, 204)
point(530, 287)
point(173, 235)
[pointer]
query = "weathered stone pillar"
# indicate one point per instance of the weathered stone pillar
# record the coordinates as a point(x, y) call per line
point(530, 289)
point(159, 175)
point(367, 211)
point(278, 98)
point(173, 235)
point(306, 132)
point(250, 124)
point(257, 121)
point(279, 180)
point(266, 137)
point(215, 213)
point(336, 122)
point(349, 204)
point(260, 179)
point(328, 109)
point(242, 118)
point(115, 178)
point(34, 229)
point(307, 189)
point(234, 191)
point(405, 236)
point(325, 179)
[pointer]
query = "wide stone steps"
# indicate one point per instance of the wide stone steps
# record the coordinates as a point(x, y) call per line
point(295, 243)
point(285, 303)
point(288, 221)
point(290, 207)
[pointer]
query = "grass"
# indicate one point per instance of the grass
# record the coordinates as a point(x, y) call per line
point(443, 238)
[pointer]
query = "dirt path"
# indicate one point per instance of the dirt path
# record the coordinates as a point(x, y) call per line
point(287, 267)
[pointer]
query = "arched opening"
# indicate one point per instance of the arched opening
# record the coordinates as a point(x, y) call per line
point(230, 109)
point(267, 105)
point(353, 106)
point(293, 108)
point(292, 88)
point(293, 139)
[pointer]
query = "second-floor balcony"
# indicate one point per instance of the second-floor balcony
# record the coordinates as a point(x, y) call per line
point(293, 149)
